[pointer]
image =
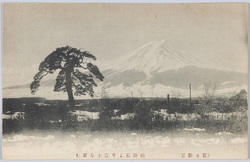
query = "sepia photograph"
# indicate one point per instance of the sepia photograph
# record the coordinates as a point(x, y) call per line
point(124, 81)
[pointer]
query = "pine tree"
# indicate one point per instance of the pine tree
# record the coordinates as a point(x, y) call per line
point(71, 79)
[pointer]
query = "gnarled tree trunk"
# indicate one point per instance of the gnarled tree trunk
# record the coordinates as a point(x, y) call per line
point(69, 83)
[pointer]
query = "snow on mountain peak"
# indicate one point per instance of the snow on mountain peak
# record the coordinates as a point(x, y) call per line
point(160, 56)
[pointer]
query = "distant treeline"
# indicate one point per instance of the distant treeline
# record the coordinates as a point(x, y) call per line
point(126, 105)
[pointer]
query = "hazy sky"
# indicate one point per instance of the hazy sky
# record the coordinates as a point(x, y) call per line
point(32, 31)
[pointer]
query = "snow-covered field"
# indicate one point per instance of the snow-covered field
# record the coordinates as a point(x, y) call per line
point(188, 144)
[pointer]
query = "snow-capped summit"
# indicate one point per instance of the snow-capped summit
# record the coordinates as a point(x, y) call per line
point(160, 56)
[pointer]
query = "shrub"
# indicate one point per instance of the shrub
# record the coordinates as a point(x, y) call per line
point(143, 117)
point(158, 122)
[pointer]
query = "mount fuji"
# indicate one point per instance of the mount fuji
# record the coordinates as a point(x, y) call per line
point(159, 56)
point(159, 68)
point(155, 70)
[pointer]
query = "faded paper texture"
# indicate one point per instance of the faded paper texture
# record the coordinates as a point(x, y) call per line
point(170, 81)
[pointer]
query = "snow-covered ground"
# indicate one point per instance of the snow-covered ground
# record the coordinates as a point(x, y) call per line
point(188, 143)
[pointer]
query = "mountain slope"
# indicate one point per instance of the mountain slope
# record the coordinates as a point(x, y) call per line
point(159, 67)
point(197, 77)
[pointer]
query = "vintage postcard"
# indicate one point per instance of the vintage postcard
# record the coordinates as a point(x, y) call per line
point(125, 81)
